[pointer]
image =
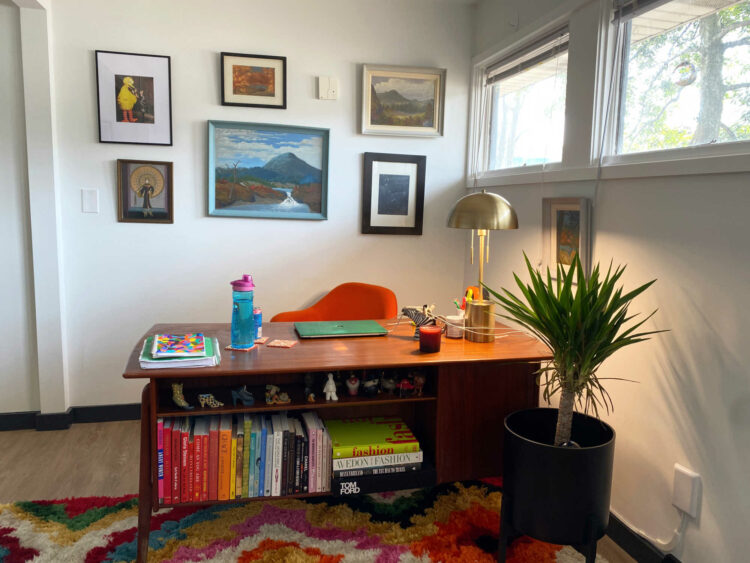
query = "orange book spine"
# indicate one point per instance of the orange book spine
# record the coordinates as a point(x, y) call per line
point(225, 462)
point(197, 472)
point(204, 468)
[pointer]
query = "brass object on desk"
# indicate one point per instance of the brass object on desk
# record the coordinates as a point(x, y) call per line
point(480, 321)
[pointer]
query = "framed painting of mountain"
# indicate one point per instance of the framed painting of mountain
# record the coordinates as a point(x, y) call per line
point(267, 171)
point(402, 100)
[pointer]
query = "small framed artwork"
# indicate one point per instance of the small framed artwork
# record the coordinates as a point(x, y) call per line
point(144, 191)
point(566, 231)
point(256, 81)
point(401, 100)
point(267, 171)
point(134, 97)
point(393, 194)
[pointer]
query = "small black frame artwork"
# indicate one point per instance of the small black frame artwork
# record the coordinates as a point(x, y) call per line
point(393, 193)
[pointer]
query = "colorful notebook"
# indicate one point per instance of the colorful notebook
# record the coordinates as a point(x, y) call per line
point(191, 345)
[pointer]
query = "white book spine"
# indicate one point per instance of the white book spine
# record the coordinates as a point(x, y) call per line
point(269, 461)
point(278, 440)
point(347, 463)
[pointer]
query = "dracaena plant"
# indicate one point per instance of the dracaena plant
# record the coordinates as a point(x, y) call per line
point(583, 322)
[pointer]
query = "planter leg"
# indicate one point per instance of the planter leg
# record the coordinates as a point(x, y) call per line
point(590, 548)
point(505, 528)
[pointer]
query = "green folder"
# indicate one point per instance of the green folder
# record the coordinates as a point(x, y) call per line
point(335, 329)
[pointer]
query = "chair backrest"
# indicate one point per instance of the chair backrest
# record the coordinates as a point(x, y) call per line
point(351, 301)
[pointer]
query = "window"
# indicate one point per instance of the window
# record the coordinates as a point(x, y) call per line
point(685, 78)
point(525, 95)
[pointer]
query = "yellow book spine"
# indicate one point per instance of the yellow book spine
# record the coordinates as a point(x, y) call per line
point(233, 470)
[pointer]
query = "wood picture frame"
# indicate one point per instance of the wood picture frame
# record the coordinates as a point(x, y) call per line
point(267, 171)
point(403, 100)
point(566, 229)
point(134, 98)
point(144, 191)
point(393, 193)
point(256, 81)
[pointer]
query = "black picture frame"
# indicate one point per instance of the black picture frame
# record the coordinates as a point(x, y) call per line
point(275, 101)
point(113, 126)
point(160, 176)
point(394, 183)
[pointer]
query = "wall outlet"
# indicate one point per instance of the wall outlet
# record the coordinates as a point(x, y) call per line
point(686, 494)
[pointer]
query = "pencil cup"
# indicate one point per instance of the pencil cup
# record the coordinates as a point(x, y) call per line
point(454, 326)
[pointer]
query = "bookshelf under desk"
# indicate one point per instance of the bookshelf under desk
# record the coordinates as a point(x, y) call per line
point(470, 388)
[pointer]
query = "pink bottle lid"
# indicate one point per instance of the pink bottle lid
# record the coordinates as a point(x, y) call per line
point(245, 284)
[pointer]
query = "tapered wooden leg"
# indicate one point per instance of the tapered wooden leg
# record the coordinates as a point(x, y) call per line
point(144, 489)
point(505, 528)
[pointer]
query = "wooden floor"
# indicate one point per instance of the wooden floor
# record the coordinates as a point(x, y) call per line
point(98, 459)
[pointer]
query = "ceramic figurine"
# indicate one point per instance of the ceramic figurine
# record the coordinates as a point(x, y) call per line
point(311, 397)
point(370, 385)
point(283, 399)
point(388, 383)
point(330, 389)
point(309, 382)
point(272, 392)
point(210, 400)
point(419, 380)
point(179, 398)
point(352, 384)
point(404, 388)
point(243, 395)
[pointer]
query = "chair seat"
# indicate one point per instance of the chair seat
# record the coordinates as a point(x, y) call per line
point(352, 301)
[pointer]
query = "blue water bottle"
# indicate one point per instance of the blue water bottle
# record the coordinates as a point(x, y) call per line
point(243, 324)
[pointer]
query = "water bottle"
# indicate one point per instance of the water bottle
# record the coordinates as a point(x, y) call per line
point(243, 324)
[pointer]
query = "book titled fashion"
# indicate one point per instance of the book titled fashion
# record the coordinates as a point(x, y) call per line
point(368, 436)
point(369, 462)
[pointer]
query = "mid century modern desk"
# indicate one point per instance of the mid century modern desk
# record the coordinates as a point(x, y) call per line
point(470, 388)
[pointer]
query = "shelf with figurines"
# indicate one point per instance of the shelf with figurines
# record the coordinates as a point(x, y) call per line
point(323, 390)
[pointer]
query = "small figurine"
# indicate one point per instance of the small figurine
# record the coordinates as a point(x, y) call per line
point(352, 384)
point(210, 400)
point(272, 392)
point(309, 382)
point(370, 385)
point(243, 395)
point(404, 387)
point(419, 318)
point(330, 389)
point(419, 380)
point(179, 398)
point(388, 383)
point(311, 397)
point(282, 399)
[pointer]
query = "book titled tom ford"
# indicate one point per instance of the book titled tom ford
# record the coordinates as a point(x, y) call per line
point(370, 436)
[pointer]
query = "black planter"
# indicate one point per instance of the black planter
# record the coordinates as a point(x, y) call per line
point(557, 495)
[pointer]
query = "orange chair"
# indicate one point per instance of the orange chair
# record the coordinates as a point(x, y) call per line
point(347, 302)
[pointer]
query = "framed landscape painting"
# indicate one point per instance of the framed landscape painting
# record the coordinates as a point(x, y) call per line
point(253, 81)
point(270, 171)
point(144, 191)
point(134, 97)
point(400, 100)
point(566, 228)
point(393, 194)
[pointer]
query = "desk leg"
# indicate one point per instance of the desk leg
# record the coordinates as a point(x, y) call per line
point(144, 489)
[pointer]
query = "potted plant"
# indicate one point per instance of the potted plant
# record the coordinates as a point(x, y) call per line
point(558, 463)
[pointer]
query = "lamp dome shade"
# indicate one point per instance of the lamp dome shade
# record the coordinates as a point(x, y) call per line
point(482, 210)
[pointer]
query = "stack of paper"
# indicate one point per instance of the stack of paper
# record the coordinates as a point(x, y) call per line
point(210, 357)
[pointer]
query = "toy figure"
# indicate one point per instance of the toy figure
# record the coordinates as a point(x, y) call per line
point(309, 382)
point(388, 383)
point(282, 399)
point(311, 397)
point(330, 389)
point(243, 395)
point(210, 400)
point(272, 392)
point(179, 398)
point(404, 387)
point(352, 384)
point(419, 380)
point(370, 385)
point(127, 98)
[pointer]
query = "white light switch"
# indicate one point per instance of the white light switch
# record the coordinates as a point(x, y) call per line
point(328, 88)
point(90, 201)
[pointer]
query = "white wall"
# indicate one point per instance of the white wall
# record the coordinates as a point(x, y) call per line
point(121, 278)
point(18, 374)
point(691, 402)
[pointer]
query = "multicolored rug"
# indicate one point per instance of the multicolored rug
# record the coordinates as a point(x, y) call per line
point(456, 522)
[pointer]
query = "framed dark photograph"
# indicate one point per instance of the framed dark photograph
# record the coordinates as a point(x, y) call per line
point(566, 231)
point(134, 97)
point(257, 81)
point(393, 194)
point(144, 191)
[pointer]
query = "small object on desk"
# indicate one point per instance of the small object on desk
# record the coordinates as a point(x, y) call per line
point(233, 349)
point(210, 400)
point(454, 326)
point(258, 318)
point(261, 340)
point(179, 398)
point(330, 389)
point(179, 345)
point(352, 384)
point(419, 318)
point(148, 361)
point(429, 339)
point(281, 343)
point(243, 395)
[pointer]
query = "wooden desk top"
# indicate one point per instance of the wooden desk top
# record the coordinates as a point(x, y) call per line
point(397, 349)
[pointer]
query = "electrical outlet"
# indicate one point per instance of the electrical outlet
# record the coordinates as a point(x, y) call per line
point(686, 494)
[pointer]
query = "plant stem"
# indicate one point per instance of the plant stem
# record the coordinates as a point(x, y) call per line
point(564, 417)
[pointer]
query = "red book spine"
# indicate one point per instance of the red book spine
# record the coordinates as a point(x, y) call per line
point(167, 465)
point(204, 467)
point(213, 465)
point(176, 459)
point(198, 465)
point(191, 469)
point(184, 442)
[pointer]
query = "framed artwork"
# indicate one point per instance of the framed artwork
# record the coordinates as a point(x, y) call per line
point(257, 81)
point(402, 100)
point(144, 191)
point(134, 97)
point(393, 194)
point(566, 231)
point(271, 171)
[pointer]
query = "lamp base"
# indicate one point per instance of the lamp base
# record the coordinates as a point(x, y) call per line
point(480, 321)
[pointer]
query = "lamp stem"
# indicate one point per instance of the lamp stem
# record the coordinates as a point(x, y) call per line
point(482, 233)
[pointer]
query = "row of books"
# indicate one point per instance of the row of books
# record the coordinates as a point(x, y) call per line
point(241, 456)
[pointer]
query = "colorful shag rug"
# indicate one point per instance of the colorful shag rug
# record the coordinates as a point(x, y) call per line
point(457, 522)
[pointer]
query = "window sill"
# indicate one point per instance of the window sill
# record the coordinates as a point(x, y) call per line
point(641, 165)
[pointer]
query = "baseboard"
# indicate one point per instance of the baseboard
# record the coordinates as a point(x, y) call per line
point(62, 420)
point(634, 545)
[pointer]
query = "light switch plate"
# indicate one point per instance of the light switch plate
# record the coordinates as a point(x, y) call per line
point(328, 88)
point(687, 490)
point(89, 201)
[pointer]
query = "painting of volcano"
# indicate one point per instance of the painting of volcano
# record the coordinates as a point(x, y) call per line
point(270, 171)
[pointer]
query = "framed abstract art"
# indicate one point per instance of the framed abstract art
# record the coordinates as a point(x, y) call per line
point(257, 81)
point(566, 232)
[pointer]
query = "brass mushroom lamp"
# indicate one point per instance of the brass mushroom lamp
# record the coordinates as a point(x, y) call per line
point(483, 212)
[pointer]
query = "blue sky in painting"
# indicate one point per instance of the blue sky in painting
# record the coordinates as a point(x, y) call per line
point(255, 148)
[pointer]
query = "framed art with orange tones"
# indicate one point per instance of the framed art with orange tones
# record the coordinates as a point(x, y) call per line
point(566, 232)
point(253, 80)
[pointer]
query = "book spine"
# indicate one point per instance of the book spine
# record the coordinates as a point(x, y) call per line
point(278, 453)
point(319, 456)
point(269, 463)
point(198, 464)
point(233, 469)
point(285, 437)
point(305, 475)
point(184, 442)
point(167, 464)
point(225, 450)
point(312, 436)
point(160, 457)
point(351, 463)
point(191, 468)
point(176, 460)
point(247, 454)
point(297, 463)
point(377, 470)
point(239, 462)
point(204, 467)
point(260, 461)
point(213, 465)
point(383, 448)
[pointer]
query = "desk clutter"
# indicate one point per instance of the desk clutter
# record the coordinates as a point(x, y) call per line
point(191, 350)
point(235, 456)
